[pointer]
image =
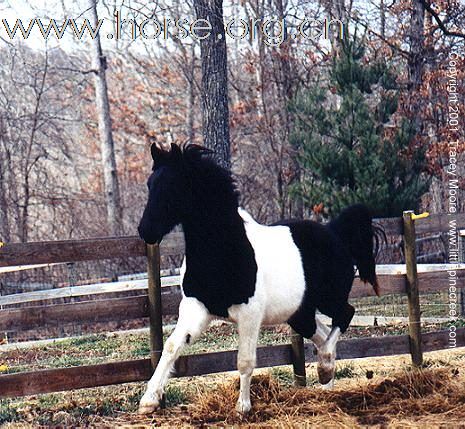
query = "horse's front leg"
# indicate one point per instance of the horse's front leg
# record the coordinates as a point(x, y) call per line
point(193, 320)
point(248, 326)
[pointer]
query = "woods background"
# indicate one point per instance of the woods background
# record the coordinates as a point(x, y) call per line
point(74, 165)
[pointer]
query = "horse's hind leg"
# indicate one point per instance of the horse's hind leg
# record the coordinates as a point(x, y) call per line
point(321, 333)
point(193, 320)
point(327, 352)
point(324, 359)
point(327, 357)
point(248, 325)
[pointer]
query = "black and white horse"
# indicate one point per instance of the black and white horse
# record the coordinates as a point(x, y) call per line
point(251, 274)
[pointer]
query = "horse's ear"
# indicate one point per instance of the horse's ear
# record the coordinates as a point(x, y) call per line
point(159, 155)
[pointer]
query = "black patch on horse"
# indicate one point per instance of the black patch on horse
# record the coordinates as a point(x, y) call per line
point(329, 253)
point(329, 274)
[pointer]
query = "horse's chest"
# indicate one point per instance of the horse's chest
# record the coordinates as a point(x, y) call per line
point(223, 278)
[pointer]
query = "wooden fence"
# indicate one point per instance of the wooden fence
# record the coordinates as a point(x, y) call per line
point(165, 300)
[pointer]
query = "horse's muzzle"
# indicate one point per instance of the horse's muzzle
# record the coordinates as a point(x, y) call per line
point(149, 239)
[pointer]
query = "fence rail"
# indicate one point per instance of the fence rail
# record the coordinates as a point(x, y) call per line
point(111, 309)
point(60, 379)
point(136, 307)
point(49, 252)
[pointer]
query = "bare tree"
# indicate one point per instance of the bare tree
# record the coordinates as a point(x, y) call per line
point(112, 194)
point(38, 117)
point(417, 37)
point(4, 216)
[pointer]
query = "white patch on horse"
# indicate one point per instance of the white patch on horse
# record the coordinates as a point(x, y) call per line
point(280, 283)
point(279, 290)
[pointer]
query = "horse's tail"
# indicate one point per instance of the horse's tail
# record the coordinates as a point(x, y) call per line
point(355, 228)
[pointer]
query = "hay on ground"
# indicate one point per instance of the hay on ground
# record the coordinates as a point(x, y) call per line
point(430, 393)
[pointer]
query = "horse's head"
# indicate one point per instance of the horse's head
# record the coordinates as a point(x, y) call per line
point(168, 194)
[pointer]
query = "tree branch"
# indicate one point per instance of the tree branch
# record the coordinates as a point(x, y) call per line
point(404, 53)
point(441, 24)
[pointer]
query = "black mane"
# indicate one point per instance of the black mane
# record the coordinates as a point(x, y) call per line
point(209, 180)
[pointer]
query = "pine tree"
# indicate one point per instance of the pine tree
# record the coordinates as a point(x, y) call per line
point(348, 154)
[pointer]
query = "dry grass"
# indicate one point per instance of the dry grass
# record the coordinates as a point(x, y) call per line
point(425, 398)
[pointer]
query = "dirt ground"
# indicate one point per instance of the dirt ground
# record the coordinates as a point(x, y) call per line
point(377, 392)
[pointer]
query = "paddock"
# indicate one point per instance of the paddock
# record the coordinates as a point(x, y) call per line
point(160, 296)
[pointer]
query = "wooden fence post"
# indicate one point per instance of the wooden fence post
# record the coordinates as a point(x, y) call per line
point(414, 314)
point(155, 309)
point(298, 359)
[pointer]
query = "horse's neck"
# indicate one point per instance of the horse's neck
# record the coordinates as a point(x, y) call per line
point(214, 235)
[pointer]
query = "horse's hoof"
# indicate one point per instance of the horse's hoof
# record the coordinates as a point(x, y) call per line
point(150, 401)
point(146, 409)
point(325, 374)
point(243, 407)
point(328, 386)
point(148, 404)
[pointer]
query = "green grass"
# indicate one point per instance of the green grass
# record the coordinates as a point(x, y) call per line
point(435, 363)
point(432, 305)
point(284, 376)
point(139, 346)
point(345, 371)
point(8, 412)
point(94, 349)
point(176, 395)
point(74, 409)
point(66, 361)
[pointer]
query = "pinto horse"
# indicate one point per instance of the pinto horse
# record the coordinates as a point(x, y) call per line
point(251, 274)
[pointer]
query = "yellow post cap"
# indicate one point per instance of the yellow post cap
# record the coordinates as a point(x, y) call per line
point(420, 216)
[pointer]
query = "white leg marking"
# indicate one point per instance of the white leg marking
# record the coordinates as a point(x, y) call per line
point(321, 334)
point(328, 386)
point(327, 357)
point(193, 320)
point(249, 327)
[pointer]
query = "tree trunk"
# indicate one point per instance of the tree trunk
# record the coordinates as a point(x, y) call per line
point(191, 105)
point(415, 62)
point(296, 210)
point(4, 218)
point(112, 195)
point(215, 111)
point(382, 15)
point(336, 9)
point(4, 165)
